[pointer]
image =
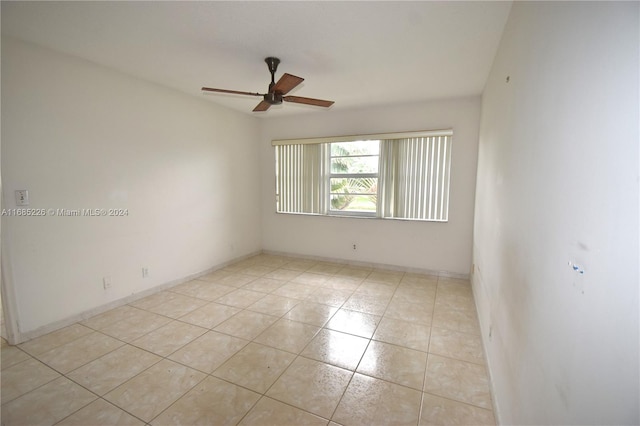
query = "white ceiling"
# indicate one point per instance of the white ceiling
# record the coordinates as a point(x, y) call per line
point(355, 53)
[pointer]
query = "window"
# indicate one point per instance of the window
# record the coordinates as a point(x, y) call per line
point(353, 177)
point(403, 176)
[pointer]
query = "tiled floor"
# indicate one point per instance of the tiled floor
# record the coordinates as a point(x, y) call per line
point(269, 340)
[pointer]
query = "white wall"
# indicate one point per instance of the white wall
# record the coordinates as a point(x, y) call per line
point(421, 245)
point(558, 183)
point(78, 135)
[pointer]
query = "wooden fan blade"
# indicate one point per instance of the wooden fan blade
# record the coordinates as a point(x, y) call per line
point(308, 101)
point(233, 92)
point(286, 83)
point(262, 106)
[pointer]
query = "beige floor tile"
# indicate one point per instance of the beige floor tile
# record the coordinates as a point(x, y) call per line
point(156, 299)
point(325, 268)
point(452, 301)
point(246, 324)
point(245, 263)
point(342, 283)
point(452, 288)
point(180, 305)
point(211, 291)
point(55, 339)
point(269, 412)
point(255, 367)
point(443, 411)
point(215, 275)
point(367, 303)
point(152, 391)
point(394, 363)
point(287, 335)
point(452, 282)
point(454, 344)
point(459, 380)
point(282, 275)
point(210, 315)
point(299, 265)
point(354, 272)
point(47, 404)
point(335, 348)
point(410, 312)
point(419, 281)
point(79, 352)
point(374, 288)
point(209, 351)
point(236, 280)
point(274, 305)
point(385, 277)
point(189, 288)
point(234, 268)
point(312, 386)
point(240, 298)
point(295, 290)
point(311, 313)
point(135, 326)
point(169, 338)
point(329, 296)
point(420, 297)
point(258, 270)
point(108, 372)
point(403, 333)
point(24, 377)
point(212, 402)
point(268, 285)
point(352, 322)
point(273, 260)
point(370, 401)
point(12, 355)
point(98, 322)
point(100, 412)
point(457, 320)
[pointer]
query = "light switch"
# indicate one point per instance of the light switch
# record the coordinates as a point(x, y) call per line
point(22, 197)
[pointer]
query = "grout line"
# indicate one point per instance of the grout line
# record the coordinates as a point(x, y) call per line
point(316, 289)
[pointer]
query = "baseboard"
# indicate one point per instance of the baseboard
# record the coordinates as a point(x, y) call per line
point(22, 337)
point(483, 333)
point(382, 266)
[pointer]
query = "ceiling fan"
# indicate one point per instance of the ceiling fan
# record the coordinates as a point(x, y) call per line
point(277, 91)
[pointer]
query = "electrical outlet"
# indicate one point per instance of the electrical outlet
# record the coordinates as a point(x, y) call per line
point(355, 247)
point(145, 272)
point(106, 282)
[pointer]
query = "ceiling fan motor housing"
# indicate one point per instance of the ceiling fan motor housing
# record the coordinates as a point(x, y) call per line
point(274, 98)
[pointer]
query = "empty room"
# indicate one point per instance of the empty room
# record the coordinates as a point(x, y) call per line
point(332, 213)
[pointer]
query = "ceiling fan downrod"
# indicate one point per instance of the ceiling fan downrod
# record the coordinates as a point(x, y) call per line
point(272, 97)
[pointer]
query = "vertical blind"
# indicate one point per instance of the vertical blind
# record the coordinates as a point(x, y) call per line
point(299, 176)
point(421, 178)
point(414, 175)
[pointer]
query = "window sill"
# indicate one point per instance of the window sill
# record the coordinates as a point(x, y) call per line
point(354, 216)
